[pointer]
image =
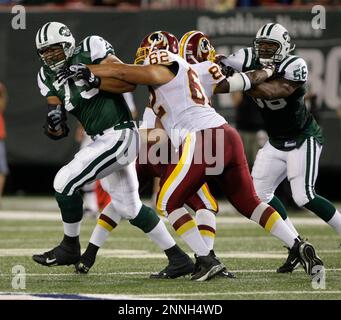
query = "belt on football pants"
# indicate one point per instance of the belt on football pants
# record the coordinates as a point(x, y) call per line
point(120, 126)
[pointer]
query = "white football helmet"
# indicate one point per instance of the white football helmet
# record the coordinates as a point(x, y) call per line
point(55, 33)
point(273, 33)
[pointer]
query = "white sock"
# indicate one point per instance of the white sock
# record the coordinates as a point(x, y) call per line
point(99, 235)
point(72, 229)
point(291, 226)
point(106, 222)
point(281, 231)
point(206, 221)
point(335, 222)
point(160, 236)
point(273, 222)
point(188, 231)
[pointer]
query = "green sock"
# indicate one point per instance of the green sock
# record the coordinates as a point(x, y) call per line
point(71, 207)
point(321, 207)
point(279, 207)
point(146, 220)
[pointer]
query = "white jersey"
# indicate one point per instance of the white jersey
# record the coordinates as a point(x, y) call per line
point(209, 74)
point(181, 104)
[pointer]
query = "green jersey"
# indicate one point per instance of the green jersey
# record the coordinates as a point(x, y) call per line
point(287, 120)
point(96, 110)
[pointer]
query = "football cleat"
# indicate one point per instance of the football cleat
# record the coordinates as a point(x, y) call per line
point(62, 255)
point(85, 264)
point(176, 268)
point(293, 260)
point(226, 274)
point(310, 261)
point(206, 267)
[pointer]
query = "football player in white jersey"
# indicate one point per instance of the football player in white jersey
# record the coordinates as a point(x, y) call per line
point(179, 101)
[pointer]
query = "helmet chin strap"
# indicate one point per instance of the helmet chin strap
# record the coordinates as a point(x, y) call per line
point(292, 48)
point(195, 60)
point(152, 46)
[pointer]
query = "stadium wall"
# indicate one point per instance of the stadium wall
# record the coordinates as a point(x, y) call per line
point(26, 144)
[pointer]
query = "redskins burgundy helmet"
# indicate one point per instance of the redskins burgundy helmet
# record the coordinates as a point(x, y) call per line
point(195, 47)
point(154, 41)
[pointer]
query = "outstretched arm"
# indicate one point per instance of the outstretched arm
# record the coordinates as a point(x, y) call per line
point(111, 84)
point(243, 81)
point(274, 89)
point(148, 75)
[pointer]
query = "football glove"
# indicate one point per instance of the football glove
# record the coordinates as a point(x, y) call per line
point(55, 118)
point(79, 72)
point(226, 70)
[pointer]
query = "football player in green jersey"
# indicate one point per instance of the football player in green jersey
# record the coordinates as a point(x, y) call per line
point(101, 109)
point(295, 138)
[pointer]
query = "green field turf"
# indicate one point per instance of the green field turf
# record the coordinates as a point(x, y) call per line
point(129, 256)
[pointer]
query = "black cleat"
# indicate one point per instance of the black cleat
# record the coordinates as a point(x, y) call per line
point(293, 260)
point(310, 261)
point(85, 264)
point(226, 274)
point(176, 268)
point(207, 267)
point(62, 255)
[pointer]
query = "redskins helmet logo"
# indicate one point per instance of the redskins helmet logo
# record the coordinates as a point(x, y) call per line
point(64, 31)
point(204, 45)
point(157, 38)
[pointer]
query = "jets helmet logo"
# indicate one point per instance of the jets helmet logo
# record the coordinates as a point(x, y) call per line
point(286, 36)
point(64, 31)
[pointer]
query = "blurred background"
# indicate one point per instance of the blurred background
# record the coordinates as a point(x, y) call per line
point(230, 24)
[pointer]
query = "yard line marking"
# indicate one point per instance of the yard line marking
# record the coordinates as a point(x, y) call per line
point(95, 274)
point(145, 254)
point(229, 220)
point(110, 296)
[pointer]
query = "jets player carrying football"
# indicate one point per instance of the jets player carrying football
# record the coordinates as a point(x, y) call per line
point(181, 104)
point(295, 138)
point(101, 109)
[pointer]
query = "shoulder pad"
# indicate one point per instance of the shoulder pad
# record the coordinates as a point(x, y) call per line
point(98, 47)
point(240, 60)
point(209, 72)
point(161, 57)
point(294, 69)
